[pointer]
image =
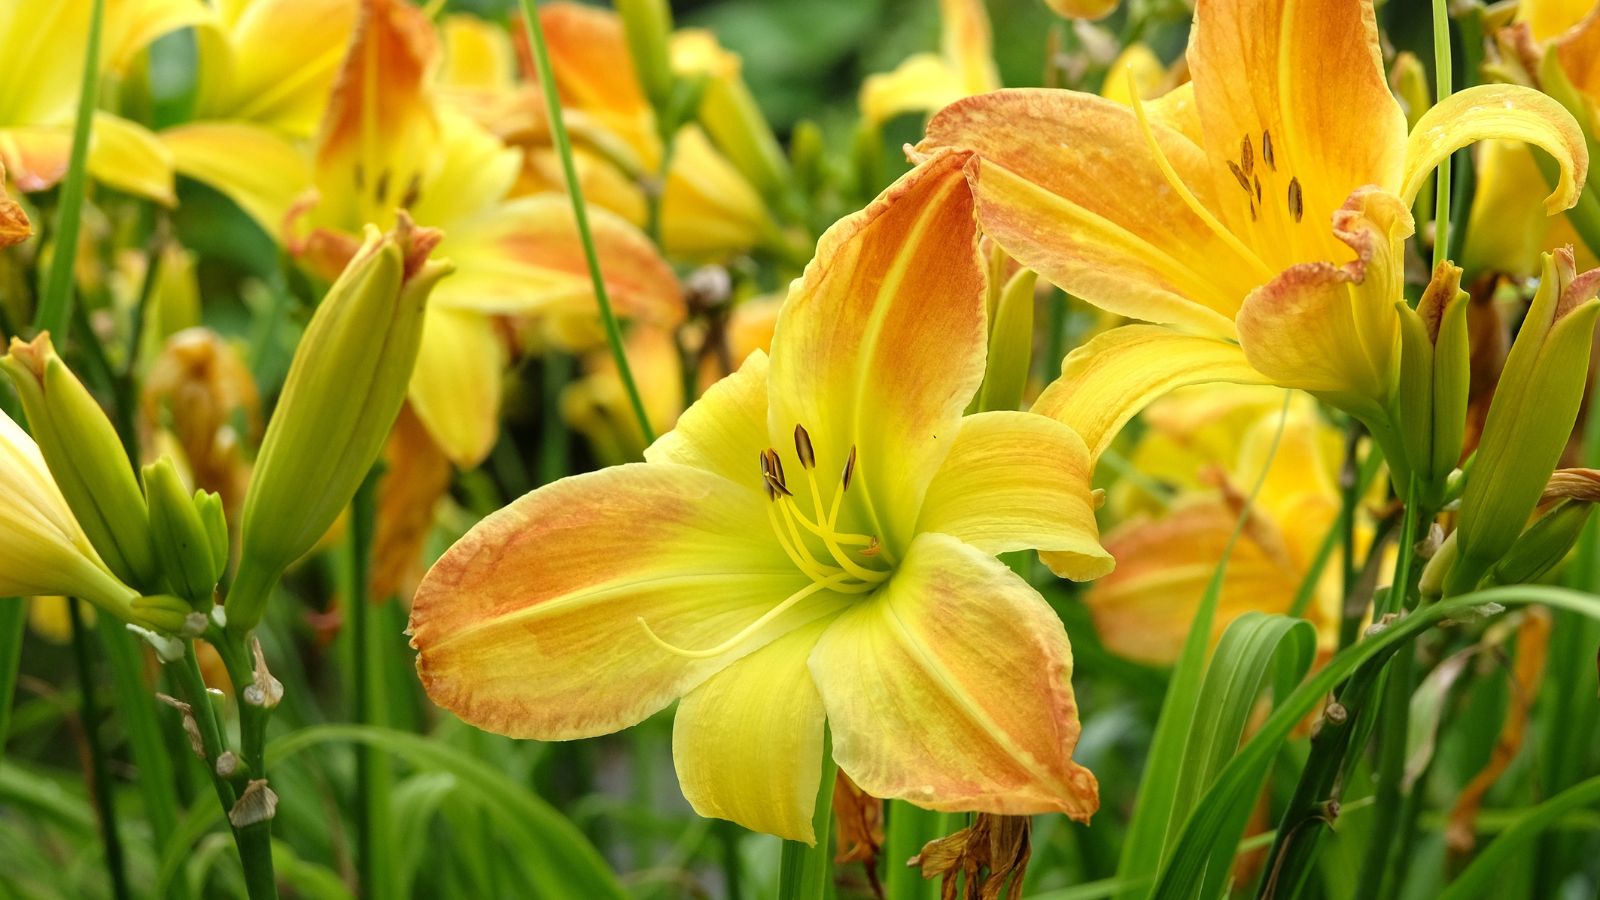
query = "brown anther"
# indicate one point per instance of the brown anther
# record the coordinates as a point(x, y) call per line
point(772, 474)
point(849, 470)
point(360, 177)
point(1257, 182)
point(1297, 202)
point(1253, 214)
point(802, 448)
point(873, 548)
point(1239, 176)
point(413, 192)
point(1266, 150)
point(1247, 158)
point(382, 192)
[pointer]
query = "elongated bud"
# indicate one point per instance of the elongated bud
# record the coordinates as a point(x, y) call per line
point(183, 540)
point(729, 112)
point(648, 24)
point(1543, 546)
point(81, 447)
point(1530, 419)
point(1010, 345)
point(344, 389)
point(1434, 372)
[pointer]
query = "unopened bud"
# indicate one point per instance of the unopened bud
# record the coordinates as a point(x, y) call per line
point(729, 112)
point(1530, 420)
point(1010, 345)
point(181, 536)
point(1434, 376)
point(86, 458)
point(1543, 546)
point(647, 24)
point(344, 389)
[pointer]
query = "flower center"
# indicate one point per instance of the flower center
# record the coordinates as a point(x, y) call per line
point(836, 560)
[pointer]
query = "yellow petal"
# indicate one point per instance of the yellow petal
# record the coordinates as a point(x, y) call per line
point(1579, 47)
point(594, 71)
point(951, 687)
point(1106, 381)
point(253, 166)
point(598, 405)
point(1506, 111)
point(1547, 19)
point(1310, 73)
point(725, 430)
point(923, 82)
point(1138, 62)
point(455, 386)
point(1143, 610)
point(524, 256)
point(1506, 228)
point(881, 343)
point(477, 54)
point(469, 172)
point(1068, 185)
point(274, 63)
point(747, 744)
point(128, 157)
point(708, 209)
point(529, 626)
point(130, 25)
point(49, 618)
point(1019, 481)
point(965, 39)
point(35, 158)
point(1333, 330)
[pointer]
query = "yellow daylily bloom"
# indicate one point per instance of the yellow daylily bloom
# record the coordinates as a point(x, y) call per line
point(924, 82)
point(1211, 443)
point(1266, 203)
point(387, 143)
point(44, 43)
point(848, 578)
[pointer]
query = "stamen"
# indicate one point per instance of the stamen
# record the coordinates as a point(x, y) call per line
point(413, 192)
point(828, 539)
point(1239, 176)
point(849, 469)
point(745, 632)
point(802, 448)
point(1266, 150)
point(801, 556)
point(772, 474)
point(873, 548)
point(1247, 159)
point(1297, 203)
point(382, 192)
point(1258, 189)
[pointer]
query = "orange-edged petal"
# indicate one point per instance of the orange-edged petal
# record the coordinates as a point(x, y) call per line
point(725, 430)
point(1311, 74)
point(1107, 381)
point(273, 62)
point(881, 345)
point(923, 82)
point(1019, 481)
point(1579, 47)
point(530, 625)
point(256, 168)
point(35, 158)
point(951, 687)
point(1506, 111)
point(747, 744)
point(1547, 19)
point(594, 72)
point(1143, 610)
point(1068, 184)
point(967, 42)
point(524, 256)
point(455, 386)
point(1332, 329)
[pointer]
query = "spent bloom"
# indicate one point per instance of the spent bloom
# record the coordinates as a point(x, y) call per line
point(813, 543)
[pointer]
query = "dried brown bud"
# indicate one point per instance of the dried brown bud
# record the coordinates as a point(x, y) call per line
point(990, 856)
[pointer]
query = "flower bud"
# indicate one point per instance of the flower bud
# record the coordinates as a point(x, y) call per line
point(1010, 344)
point(1530, 420)
point(43, 549)
point(162, 614)
point(729, 112)
point(1434, 373)
point(184, 541)
point(86, 458)
point(1542, 546)
point(647, 24)
point(344, 389)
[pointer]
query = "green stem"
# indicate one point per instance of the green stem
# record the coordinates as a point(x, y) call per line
point(55, 305)
point(558, 130)
point(13, 622)
point(806, 873)
point(373, 837)
point(1443, 79)
point(553, 432)
point(100, 779)
point(191, 687)
point(910, 829)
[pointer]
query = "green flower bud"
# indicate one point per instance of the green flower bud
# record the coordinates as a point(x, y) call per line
point(86, 458)
point(647, 24)
point(182, 540)
point(1542, 546)
point(1530, 420)
point(729, 112)
point(345, 387)
point(163, 614)
point(1434, 370)
point(1010, 344)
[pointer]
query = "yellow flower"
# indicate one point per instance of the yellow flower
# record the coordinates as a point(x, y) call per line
point(388, 143)
point(43, 550)
point(1212, 442)
point(1267, 203)
point(848, 578)
point(925, 82)
point(44, 43)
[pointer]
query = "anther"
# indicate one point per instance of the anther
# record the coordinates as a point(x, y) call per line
point(1247, 160)
point(772, 474)
point(1297, 203)
point(849, 470)
point(1239, 175)
point(413, 192)
point(873, 548)
point(360, 176)
point(1266, 150)
point(802, 448)
point(1258, 188)
point(383, 185)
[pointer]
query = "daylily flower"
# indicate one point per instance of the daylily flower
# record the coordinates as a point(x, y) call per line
point(847, 578)
point(1210, 443)
point(1267, 203)
point(386, 143)
point(925, 82)
point(44, 43)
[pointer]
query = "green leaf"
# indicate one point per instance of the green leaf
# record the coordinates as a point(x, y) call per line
point(1486, 869)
